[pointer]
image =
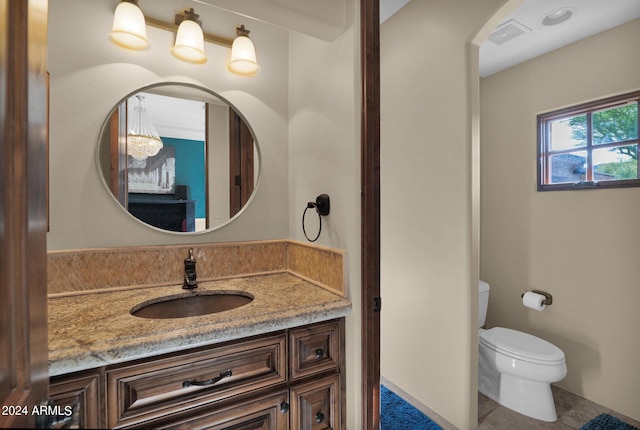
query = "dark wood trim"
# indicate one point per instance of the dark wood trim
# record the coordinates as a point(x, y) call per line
point(23, 213)
point(241, 180)
point(114, 135)
point(118, 171)
point(370, 186)
point(47, 127)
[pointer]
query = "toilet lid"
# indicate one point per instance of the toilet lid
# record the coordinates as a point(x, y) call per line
point(521, 346)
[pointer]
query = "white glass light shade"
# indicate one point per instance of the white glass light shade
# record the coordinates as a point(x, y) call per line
point(189, 44)
point(142, 138)
point(243, 57)
point(129, 30)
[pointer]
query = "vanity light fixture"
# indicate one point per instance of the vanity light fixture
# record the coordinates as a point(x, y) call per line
point(142, 138)
point(189, 44)
point(243, 54)
point(129, 31)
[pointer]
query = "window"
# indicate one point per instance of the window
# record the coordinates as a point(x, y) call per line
point(593, 145)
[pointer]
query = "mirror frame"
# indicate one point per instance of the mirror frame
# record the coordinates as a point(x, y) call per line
point(257, 150)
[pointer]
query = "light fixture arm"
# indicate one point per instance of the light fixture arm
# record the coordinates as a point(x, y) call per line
point(191, 15)
point(242, 31)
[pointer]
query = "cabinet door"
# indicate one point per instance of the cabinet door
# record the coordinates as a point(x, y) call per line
point(81, 391)
point(316, 404)
point(268, 412)
point(314, 349)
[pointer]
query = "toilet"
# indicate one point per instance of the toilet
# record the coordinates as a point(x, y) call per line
point(516, 369)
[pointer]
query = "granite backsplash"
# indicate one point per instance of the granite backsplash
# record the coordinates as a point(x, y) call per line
point(84, 270)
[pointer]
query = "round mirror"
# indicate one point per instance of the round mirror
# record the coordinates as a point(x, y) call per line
point(179, 157)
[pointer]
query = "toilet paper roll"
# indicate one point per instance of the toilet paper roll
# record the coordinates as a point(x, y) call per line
point(534, 301)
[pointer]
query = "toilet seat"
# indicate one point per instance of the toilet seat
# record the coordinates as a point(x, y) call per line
point(521, 346)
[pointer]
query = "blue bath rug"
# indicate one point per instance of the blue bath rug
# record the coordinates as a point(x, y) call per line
point(607, 422)
point(397, 414)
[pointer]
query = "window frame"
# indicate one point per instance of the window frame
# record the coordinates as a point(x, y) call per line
point(544, 153)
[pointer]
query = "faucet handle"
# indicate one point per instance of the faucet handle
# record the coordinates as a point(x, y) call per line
point(190, 276)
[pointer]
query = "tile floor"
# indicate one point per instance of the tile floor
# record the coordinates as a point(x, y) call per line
point(573, 411)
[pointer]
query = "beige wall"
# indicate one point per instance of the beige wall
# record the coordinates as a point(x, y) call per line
point(324, 157)
point(89, 75)
point(430, 198)
point(580, 246)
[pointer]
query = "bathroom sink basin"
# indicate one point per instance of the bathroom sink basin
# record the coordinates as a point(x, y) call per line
point(191, 304)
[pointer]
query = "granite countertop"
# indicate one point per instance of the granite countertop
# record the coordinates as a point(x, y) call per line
point(96, 329)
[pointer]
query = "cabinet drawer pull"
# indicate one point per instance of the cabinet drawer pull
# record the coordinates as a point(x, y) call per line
point(319, 353)
point(208, 381)
point(319, 417)
point(284, 407)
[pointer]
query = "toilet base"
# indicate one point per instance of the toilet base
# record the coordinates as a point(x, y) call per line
point(521, 385)
point(533, 399)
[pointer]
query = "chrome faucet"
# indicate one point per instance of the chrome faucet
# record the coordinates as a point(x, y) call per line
point(190, 277)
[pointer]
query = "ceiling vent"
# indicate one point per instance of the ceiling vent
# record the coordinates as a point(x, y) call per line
point(508, 31)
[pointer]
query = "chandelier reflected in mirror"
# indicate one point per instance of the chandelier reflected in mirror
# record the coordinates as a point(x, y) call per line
point(142, 138)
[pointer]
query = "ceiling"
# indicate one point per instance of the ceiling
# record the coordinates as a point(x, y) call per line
point(389, 7)
point(522, 36)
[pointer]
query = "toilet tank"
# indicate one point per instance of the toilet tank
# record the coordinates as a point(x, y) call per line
point(483, 302)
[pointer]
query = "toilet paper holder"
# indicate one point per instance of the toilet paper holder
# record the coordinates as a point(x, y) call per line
point(548, 298)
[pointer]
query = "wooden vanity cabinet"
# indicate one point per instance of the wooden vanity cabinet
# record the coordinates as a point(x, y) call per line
point(82, 391)
point(292, 379)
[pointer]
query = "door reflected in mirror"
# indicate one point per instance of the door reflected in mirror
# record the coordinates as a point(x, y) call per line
point(179, 158)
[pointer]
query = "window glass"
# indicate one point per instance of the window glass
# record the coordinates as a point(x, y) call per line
point(615, 163)
point(615, 125)
point(568, 133)
point(568, 168)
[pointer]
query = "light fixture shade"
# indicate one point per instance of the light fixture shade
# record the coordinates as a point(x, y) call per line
point(129, 30)
point(243, 57)
point(189, 44)
point(142, 138)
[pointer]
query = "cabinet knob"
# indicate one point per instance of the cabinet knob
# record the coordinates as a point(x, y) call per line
point(319, 353)
point(284, 407)
point(319, 417)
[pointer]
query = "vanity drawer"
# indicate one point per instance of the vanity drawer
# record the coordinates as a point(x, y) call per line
point(141, 392)
point(267, 412)
point(315, 405)
point(315, 349)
